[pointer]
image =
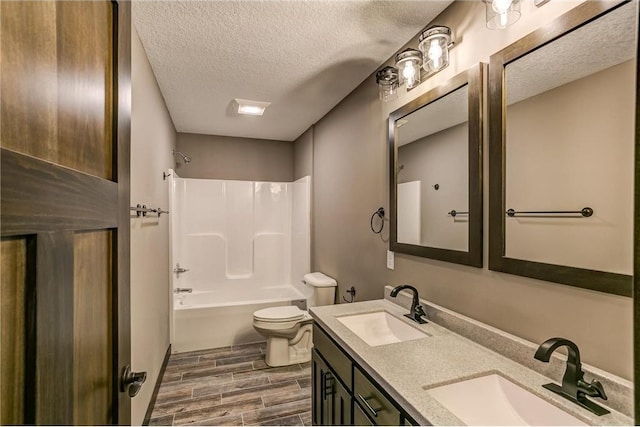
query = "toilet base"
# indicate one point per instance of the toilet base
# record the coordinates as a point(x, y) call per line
point(283, 352)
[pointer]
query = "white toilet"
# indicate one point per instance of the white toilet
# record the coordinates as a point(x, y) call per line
point(288, 329)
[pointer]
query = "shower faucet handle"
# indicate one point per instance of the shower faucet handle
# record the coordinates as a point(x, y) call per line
point(179, 270)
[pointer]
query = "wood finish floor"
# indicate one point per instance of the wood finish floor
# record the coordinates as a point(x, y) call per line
point(232, 386)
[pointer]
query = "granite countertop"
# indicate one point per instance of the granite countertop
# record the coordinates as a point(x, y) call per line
point(406, 368)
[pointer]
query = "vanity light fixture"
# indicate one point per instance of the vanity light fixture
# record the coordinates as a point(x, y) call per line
point(387, 79)
point(434, 43)
point(409, 62)
point(502, 13)
point(251, 108)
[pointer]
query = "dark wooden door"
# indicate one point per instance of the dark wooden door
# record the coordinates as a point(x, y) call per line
point(64, 138)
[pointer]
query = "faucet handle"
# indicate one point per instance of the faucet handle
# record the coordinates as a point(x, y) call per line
point(594, 389)
point(418, 313)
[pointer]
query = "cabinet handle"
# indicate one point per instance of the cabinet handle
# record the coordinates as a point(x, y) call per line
point(327, 384)
point(366, 403)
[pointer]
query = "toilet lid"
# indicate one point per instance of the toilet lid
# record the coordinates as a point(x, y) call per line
point(285, 313)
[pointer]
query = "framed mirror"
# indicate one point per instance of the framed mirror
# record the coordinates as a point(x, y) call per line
point(561, 123)
point(435, 153)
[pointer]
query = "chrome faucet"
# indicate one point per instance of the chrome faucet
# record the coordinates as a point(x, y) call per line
point(182, 290)
point(416, 312)
point(573, 387)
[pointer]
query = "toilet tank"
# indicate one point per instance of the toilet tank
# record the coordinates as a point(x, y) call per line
point(323, 289)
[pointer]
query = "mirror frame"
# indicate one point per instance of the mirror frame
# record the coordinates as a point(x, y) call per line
point(474, 78)
point(613, 283)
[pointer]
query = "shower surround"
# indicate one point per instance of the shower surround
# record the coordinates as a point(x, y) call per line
point(246, 246)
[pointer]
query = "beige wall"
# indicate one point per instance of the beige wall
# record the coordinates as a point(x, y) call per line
point(349, 184)
point(224, 157)
point(303, 155)
point(350, 168)
point(152, 139)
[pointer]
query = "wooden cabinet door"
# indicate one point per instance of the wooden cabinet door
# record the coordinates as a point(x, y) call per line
point(322, 392)
point(64, 138)
point(342, 406)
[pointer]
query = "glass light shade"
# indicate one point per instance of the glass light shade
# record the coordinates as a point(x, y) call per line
point(409, 62)
point(502, 13)
point(387, 79)
point(434, 45)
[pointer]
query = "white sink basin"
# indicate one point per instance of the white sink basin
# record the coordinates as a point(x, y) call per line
point(494, 400)
point(380, 328)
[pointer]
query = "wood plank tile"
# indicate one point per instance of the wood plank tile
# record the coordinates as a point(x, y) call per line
point(200, 415)
point(305, 382)
point(173, 395)
point(260, 364)
point(182, 361)
point(276, 397)
point(231, 353)
point(288, 376)
point(306, 418)
point(278, 411)
point(190, 366)
point(185, 405)
point(207, 351)
point(266, 372)
point(171, 377)
point(198, 373)
point(292, 420)
point(167, 420)
point(260, 345)
point(239, 359)
point(231, 386)
point(260, 391)
point(198, 382)
point(229, 420)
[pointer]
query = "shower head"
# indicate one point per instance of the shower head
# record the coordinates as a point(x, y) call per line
point(185, 159)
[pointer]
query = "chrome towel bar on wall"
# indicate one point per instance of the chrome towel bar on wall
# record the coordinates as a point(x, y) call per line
point(144, 210)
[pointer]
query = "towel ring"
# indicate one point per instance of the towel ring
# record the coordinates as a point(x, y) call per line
point(380, 213)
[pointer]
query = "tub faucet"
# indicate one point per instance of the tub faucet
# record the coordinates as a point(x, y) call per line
point(182, 290)
point(416, 312)
point(573, 388)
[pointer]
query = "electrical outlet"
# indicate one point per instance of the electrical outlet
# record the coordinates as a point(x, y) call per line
point(390, 260)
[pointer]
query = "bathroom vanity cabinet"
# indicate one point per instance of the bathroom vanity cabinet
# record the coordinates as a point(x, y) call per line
point(343, 393)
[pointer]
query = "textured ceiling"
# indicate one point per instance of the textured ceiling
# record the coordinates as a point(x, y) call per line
point(302, 56)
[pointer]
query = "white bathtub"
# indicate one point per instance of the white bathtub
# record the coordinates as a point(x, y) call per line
point(221, 318)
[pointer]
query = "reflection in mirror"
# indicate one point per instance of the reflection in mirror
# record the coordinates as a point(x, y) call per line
point(436, 172)
point(433, 176)
point(569, 145)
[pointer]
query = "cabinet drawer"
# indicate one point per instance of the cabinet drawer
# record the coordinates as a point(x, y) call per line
point(335, 357)
point(373, 402)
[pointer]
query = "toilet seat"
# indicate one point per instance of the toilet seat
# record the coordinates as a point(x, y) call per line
point(287, 313)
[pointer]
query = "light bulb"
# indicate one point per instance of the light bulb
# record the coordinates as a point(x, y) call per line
point(409, 74)
point(501, 6)
point(435, 50)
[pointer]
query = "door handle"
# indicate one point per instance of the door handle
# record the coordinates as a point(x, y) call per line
point(327, 385)
point(132, 381)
